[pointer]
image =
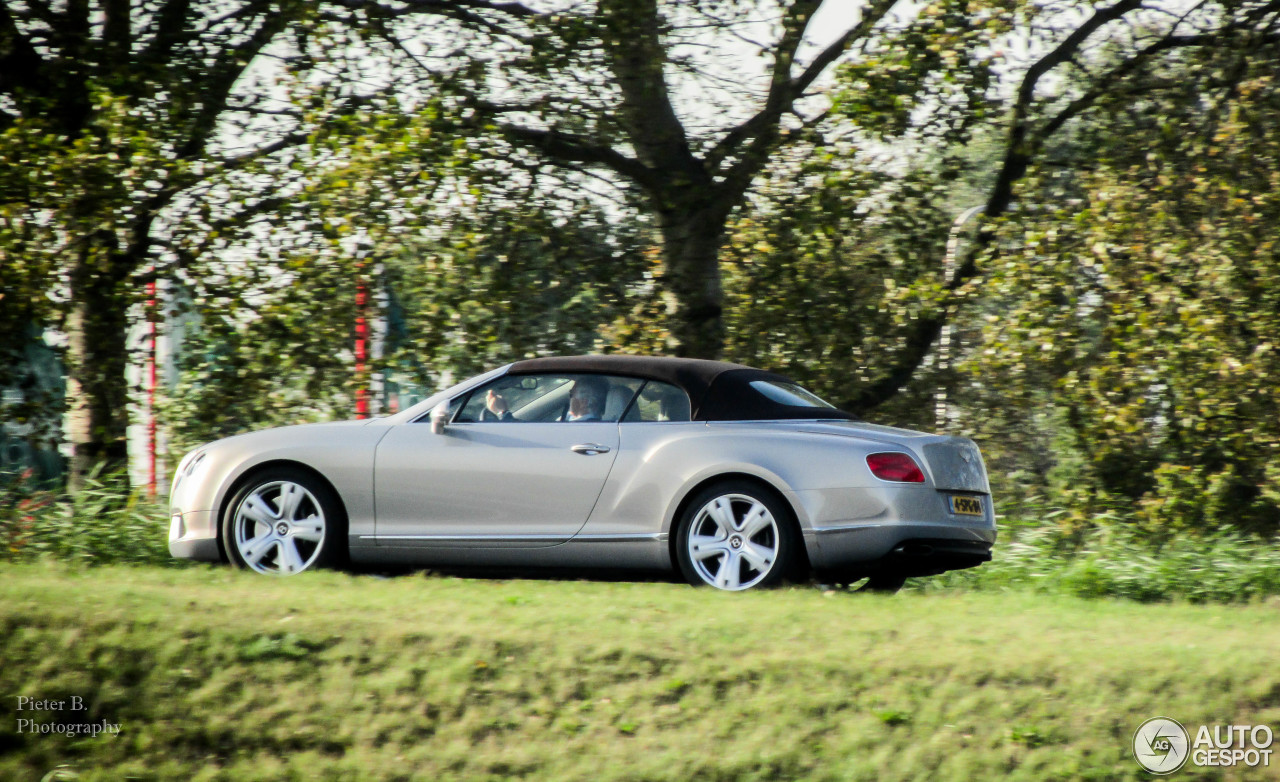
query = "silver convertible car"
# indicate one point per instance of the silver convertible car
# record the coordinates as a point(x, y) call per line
point(733, 476)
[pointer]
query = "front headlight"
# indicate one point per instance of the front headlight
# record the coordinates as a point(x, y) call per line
point(187, 466)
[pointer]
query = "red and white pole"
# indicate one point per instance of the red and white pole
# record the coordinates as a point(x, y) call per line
point(151, 388)
point(362, 343)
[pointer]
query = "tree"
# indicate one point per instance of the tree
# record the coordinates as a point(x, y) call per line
point(122, 126)
point(605, 88)
point(1145, 315)
point(463, 270)
point(832, 270)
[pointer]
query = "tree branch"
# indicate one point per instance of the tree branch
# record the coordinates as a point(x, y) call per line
point(508, 8)
point(169, 31)
point(760, 131)
point(22, 70)
point(1017, 154)
point(1021, 147)
point(924, 334)
point(566, 146)
point(223, 75)
point(638, 58)
point(117, 29)
point(870, 18)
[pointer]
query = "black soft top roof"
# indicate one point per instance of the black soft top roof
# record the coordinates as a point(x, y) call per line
point(718, 390)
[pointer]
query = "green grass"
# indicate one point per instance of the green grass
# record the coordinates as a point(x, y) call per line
point(213, 674)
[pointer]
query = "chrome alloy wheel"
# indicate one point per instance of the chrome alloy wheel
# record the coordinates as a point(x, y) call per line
point(279, 528)
point(733, 542)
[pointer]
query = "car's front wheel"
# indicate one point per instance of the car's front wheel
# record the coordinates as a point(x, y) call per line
point(735, 535)
point(284, 521)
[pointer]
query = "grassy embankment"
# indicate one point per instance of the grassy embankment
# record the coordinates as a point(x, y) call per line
point(213, 674)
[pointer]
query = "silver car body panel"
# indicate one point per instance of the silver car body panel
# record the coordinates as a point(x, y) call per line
point(519, 494)
point(342, 452)
point(509, 483)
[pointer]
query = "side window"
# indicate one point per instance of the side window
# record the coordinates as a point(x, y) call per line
point(549, 398)
point(788, 394)
point(659, 402)
point(517, 398)
point(618, 395)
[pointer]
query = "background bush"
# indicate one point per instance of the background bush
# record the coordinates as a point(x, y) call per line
point(1111, 558)
point(105, 522)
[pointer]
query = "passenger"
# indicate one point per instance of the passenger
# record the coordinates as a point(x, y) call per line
point(586, 402)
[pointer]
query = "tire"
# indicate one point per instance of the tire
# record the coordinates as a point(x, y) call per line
point(283, 521)
point(735, 535)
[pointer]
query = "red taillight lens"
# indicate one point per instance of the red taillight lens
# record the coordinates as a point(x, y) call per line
point(895, 467)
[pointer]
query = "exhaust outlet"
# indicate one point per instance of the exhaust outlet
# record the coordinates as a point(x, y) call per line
point(914, 550)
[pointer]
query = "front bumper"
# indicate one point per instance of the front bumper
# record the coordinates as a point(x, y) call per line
point(192, 535)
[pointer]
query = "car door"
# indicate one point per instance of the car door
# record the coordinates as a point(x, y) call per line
point(525, 478)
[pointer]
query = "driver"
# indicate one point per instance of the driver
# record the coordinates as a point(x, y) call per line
point(586, 402)
point(496, 404)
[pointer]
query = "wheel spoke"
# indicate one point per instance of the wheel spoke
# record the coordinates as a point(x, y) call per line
point(257, 509)
point(291, 495)
point(759, 558)
point(721, 512)
point(254, 550)
point(727, 577)
point(290, 562)
point(311, 528)
point(702, 547)
point(755, 520)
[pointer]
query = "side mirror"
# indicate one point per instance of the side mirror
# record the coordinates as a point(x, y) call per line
point(439, 417)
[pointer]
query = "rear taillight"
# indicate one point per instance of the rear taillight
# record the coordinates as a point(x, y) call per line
point(895, 467)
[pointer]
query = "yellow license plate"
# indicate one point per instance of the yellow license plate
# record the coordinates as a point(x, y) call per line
point(966, 506)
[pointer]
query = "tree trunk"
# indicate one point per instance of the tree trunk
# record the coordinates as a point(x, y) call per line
point(97, 357)
point(691, 242)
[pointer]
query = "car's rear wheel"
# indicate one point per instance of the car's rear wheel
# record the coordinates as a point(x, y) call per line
point(735, 535)
point(284, 521)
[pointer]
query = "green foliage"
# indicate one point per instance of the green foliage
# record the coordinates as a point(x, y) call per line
point(931, 78)
point(452, 290)
point(511, 281)
point(131, 136)
point(824, 278)
point(1114, 559)
point(280, 360)
point(1145, 312)
point(103, 523)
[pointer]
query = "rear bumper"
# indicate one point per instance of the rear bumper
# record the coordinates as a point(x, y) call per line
point(931, 556)
point(899, 548)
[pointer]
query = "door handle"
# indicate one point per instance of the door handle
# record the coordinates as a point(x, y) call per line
point(589, 449)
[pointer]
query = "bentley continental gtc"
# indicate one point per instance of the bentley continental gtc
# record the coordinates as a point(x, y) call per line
point(730, 476)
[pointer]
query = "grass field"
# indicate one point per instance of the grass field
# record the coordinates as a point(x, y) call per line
point(212, 674)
